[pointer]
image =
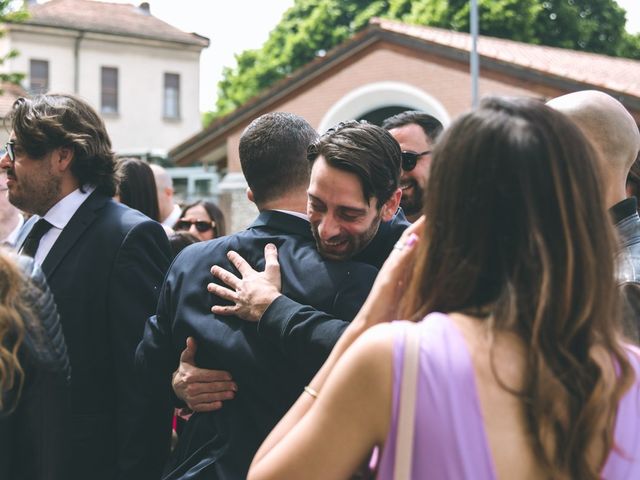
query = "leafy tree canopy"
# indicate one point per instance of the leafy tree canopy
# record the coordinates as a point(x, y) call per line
point(312, 27)
point(9, 14)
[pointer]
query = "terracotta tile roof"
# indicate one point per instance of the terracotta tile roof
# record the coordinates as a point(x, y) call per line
point(564, 70)
point(10, 93)
point(110, 18)
point(618, 74)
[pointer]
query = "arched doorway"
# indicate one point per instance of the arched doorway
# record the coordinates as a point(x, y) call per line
point(376, 101)
point(378, 115)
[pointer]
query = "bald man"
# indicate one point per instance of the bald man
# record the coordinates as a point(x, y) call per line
point(169, 211)
point(615, 136)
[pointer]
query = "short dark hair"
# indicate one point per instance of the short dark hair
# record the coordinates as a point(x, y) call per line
point(214, 213)
point(368, 151)
point(137, 186)
point(46, 122)
point(272, 154)
point(431, 126)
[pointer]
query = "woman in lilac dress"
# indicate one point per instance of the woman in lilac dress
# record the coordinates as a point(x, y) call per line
point(524, 374)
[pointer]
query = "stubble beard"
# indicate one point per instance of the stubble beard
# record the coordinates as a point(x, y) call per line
point(356, 244)
point(38, 197)
point(412, 205)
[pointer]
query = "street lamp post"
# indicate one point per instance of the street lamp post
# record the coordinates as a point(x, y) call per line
point(475, 64)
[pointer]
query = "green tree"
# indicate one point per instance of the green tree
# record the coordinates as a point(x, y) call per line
point(630, 46)
point(590, 25)
point(312, 27)
point(8, 14)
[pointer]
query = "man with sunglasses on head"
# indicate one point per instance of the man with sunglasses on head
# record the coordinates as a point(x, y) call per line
point(416, 132)
point(104, 263)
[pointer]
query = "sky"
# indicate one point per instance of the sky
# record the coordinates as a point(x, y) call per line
point(233, 26)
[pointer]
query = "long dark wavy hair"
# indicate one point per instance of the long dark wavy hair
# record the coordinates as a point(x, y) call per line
point(137, 186)
point(517, 233)
point(12, 327)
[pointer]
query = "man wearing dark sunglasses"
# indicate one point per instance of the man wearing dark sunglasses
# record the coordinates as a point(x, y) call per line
point(416, 132)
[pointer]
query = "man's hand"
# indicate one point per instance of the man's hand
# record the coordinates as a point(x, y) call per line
point(253, 292)
point(202, 390)
point(382, 304)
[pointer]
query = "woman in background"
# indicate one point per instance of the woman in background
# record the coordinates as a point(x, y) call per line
point(137, 187)
point(522, 370)
point(34, 375)
point(202, 219)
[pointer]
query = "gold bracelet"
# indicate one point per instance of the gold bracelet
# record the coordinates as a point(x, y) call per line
point(311, 391)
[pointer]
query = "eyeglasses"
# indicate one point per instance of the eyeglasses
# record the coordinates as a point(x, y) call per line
point(9, 149)
point(409, 159)
point(201, 225)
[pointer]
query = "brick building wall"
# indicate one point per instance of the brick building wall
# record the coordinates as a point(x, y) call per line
point(447, 81)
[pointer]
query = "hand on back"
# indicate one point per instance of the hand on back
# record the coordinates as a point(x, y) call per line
point(201, 389)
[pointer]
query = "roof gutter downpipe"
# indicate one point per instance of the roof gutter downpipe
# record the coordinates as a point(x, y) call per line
point(475, 62)
point(76, 62)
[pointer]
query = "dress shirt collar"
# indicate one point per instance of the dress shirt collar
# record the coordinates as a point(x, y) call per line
point(295, 214)
point(60, 214)
point(173, 217)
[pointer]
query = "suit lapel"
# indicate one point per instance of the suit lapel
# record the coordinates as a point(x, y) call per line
point(84, 216)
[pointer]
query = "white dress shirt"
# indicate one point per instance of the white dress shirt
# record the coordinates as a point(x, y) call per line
point(173, 217)
point(13, 236)
point(58, 216)
point(295, 214)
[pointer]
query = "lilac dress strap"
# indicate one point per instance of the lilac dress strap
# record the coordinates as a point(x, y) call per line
point(450, 442)
point(624, 459)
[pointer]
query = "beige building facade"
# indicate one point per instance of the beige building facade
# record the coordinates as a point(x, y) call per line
point(140, 73)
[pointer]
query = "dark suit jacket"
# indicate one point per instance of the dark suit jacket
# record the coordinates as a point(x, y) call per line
point(381, 245)
point(105, 271)
point(221, 444)
point(298, 329)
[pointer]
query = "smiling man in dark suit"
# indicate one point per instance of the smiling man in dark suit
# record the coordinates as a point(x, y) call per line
point(220, 444)
point(104, 263)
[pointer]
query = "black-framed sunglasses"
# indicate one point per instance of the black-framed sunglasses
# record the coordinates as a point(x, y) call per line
point(201, 225)
point(8, 147)
point(410, 159)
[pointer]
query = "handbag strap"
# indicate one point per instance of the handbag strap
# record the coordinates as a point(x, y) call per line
point(408, 390)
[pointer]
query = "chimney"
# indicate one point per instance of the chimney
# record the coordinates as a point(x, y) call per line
point(145, 7)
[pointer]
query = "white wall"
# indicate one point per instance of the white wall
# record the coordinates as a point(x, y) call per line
point(139, 125)
point(55, 48)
